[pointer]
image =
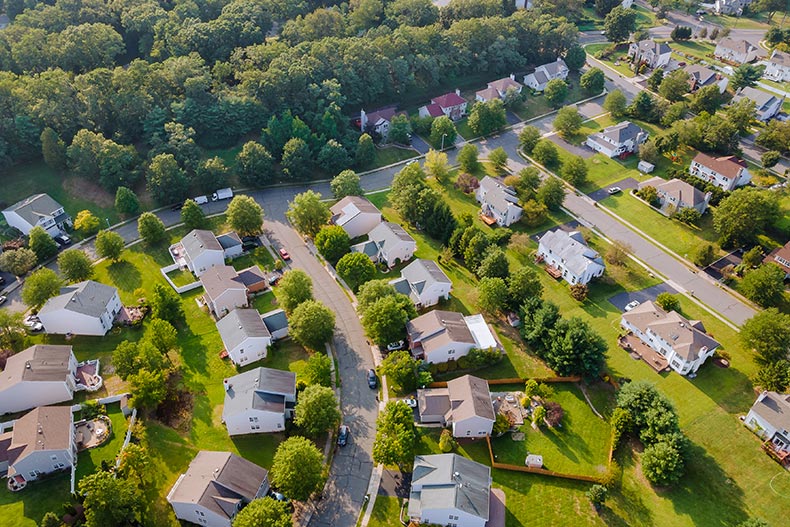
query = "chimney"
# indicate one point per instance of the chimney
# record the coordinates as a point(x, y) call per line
point(363, 120)
point(512, 76)
point(458, 92)
point(227, 384)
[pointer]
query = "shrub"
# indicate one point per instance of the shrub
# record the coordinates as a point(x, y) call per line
point(579, 292)
point(446, 441)
point(554, 414)
point(501, 425)
point(668, 301)
point(452, 365)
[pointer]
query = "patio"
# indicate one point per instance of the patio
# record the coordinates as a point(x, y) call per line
point(639, 350)
point(88, 377)
point(507, 404)
point(90, 434)
point(129, 316)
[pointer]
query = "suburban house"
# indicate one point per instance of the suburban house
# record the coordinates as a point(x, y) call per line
point(42, 441)
point(726, 172)
point(215, 487)
point(356, 215)
point(245, 336)
point(735, 50)
point(676, 194)
point(498, 202)
point(40, 375)
point(438, 336)
point(424, 282)
point(254, 279)
point(620, 139)
point(200, 250)
point(387, 243)
point(377, 122)
point(730, 7)
point(224, 290)
point(448, 489)
point(277, 323)
point(85, 308)
point(38, 210)
point(778, 67)
point(498, 89)
point(259, 401)
point(538, 79)
point(769, 418)
point(568, 257)
point(450, 105)
point(702, 77)
point(465, 405)
point(650, 53)
point(767, 105)
point(683, 342)
point(781, 257)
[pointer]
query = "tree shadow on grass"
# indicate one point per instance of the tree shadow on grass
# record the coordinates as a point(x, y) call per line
point(193, 351)
point(729, 387)
point(125, 275)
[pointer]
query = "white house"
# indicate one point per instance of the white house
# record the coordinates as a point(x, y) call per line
point(617, 140)
point(538, 79)
point(726, 172)
point(438, 336)
point(769, 418)
point(424, 282)
point(734, 50)
point(200, 250)
point(676, 194)
point(388, 243)
point(38, 210)
point(277, 323)
point(498, 89)
point(245, 336)
point(377, 122)
point(781, 257)
point(498, 202)
point(778, 67)
point(215, 487)
point(259, 401)
point(356, 215)
point(450, 105)
point(40, 375)
point(224, 290)
point(767, 105)
point(730, 7)
point(448, 489)
point(86, 308)
point(702, 77)
point(41, 442)
point(568, 253)
point(651, 53)
point(465, 405)
point(682, 342)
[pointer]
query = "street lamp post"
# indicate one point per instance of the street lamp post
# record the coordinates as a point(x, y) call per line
point(443, 136)
point(108, 222)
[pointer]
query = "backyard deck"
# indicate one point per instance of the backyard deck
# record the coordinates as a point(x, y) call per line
point(639, 350)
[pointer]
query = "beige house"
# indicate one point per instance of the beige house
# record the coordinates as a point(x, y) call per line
point(40, 375)
point(356, 215)
point(498, 89)
point(224, 291)
point(438, 336)
point(676, 194)
point(465, 405)
point(387, 243)
point(736, 50)
point(727, 172)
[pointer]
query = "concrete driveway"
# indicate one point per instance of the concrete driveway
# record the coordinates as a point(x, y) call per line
point(626, 184)
point(623, 299)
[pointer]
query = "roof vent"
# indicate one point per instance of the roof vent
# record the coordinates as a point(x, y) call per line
point(27, 365)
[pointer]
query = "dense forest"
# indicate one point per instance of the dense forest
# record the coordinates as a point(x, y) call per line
point(130, 80)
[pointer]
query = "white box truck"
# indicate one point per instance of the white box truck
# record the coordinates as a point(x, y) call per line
point(223, 193)
point(200, 200)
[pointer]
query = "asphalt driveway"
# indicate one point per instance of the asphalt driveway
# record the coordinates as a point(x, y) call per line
point(394, 484)
point(419, 144)
point(625, 184)
point(581, 151)
point(567, 227)
point(621, 300)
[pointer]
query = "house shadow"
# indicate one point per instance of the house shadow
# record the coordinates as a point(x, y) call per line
point(125, 276)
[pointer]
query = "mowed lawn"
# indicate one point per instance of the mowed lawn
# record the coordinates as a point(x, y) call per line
point(579, 446)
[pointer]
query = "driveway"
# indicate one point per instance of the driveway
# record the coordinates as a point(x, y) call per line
point(623, 299)
point(419, 144)
point(626, 184)
point(567, 227)
point(581, 151)
point(714, 270)
point(394, 484)
point(512, 118)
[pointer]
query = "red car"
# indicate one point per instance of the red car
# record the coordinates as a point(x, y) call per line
point(284, 254)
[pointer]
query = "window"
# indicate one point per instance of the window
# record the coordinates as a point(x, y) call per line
point(53, 457)
point(252, 420)
point(451, 352)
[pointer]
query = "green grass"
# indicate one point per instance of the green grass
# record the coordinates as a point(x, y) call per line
point(181, 277)
point(579, 446)
point(645, 18)
point(392, 154)
point(678, 237)
point(464, 130)
point(536, 105)
point(752, 21)
point(260, 257)
point(602, 171)
point(385, 511)
point(619, 55)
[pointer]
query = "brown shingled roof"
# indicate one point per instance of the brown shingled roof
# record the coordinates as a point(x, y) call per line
point(469, 397)
point(42, 362)
point(728, 166)
point(44, 428)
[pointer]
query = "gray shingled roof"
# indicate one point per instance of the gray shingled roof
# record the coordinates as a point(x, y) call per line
point(228, 240)
point(553, 68)
point(570, 247)
point(470, 397)
point(42, 362)
point(198, 241)
point(622, 132)
point(775, 409)
point(275, 320)
point(34, 207)
point(450, 480)
point(422, 273)
point(87, 298)
point(245, 389)
point(239, 325)
point(762, 99)
point(780, 58)
point(498, 196)
point(738, 45)
point(43, 428)
point(359, 205)
point(655, 47)
point(387, 235)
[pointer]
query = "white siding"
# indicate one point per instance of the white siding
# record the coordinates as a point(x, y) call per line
point(361, 224)
point(28, 395)
point(254, 422)
point(249, 351)
point(450, 516)
point(473, 427)
point(431, 295)
point(453, 350)
point(43, 462)
point(199, 515)
point(64, 321)
point(205, 261)
point(229, 300)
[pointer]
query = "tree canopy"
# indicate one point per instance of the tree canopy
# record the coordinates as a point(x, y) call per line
point(245, 216)
point(317, 410)
point(308, 213)
point(297, 469)
point(312, 324)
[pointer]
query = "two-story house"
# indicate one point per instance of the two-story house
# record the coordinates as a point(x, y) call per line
point(424, 282)
point(543, 74)
point(450, 105)
point(224, 291)
point(40, 375)
point(702, 77)
point(569, 257)
point(736, 50)
point(85, 308)
point(38, 210)
point(498, 89)
point(730, 7)
point(377, 122)
point(356, 215)
point(727, 172)
point(781, 257)
point(620, 139)
point(767, 105)
point(650, 53)
point(259, 401)
point(778, 67)
point(215, 487)
point(684, 343)
point(438, 336)
point(388, 243)
point(200, 250)
point(245, 336)
point(498, 203)
point(769, 418)
point(676, 194)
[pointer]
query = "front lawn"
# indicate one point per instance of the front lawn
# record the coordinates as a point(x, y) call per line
point(602, 171)
point(385, 511)
point(616, 61)
point(387, 155)
point(260, 257)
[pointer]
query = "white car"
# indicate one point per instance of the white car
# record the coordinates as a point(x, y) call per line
point(3, 299)
point(632, 305)
point(614, 190)
point(31, 320)
point(35, 328)
point(394, 346)
point(411, 401)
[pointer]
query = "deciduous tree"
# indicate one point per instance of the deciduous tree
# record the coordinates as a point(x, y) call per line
point(318, 370)
point(619, 24)
point(385, 319)
point(109, 244)
point(75, 265)
point(545, 153)
point(487, 117)
point(745, 75)
point(355, 269)
point(523, 284)
point(745, 214)
point(556, 91)
point(149, 389)
point(312, 324)
point(254, 165)
point(574, 171)
point(18, 262)
point(616, 104)
point(151, 228)
point(493, 264)
point(436, 165)
point(443, 132)
point(764, 285)
point(294, 288)
point(245, 216)
point(297, 160)
point(332, 242)
point(317, 410)
point(345, 184)
point(395, 435)
point(53, 148)
point(668, 301)
point(264, 512)
point(308, 213)
point(401, 370)
point(41, 243)
point(87, 223)
point(192, 215)
point(675, 86)
point(662, 464)
point(551, 193)
point(768, 334)
point(492, 294)
point(528, 138)
point(593, 80)
point(166, 304)
point(126, 201)
point(110, 500)
point(212, 174)
point(467, 158)
point(568, 121)
point(40, 286)
point(297, 468)
point(366, 150)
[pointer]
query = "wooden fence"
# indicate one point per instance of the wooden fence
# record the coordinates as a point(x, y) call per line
point(443, 384)
point(535, 470)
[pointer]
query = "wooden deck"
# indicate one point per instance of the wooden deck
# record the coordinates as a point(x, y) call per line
point(638, 349)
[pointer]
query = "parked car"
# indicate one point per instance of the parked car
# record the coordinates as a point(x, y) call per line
point(342, 436)
point(3, 298)
point(274, 278)
point(631, 305)
point(284, 254)
point(35, 328)
point(373, 381)
point(201, 200)
point(278, 496)
point(394, 346)
point(63, 240)
point(31, 320)
point(614, 190)
point(411, 401)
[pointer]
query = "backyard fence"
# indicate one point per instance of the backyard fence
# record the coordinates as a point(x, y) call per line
point(184, 288)
point(535, 470)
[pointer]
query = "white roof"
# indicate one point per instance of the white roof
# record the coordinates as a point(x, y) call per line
point(484, 339)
